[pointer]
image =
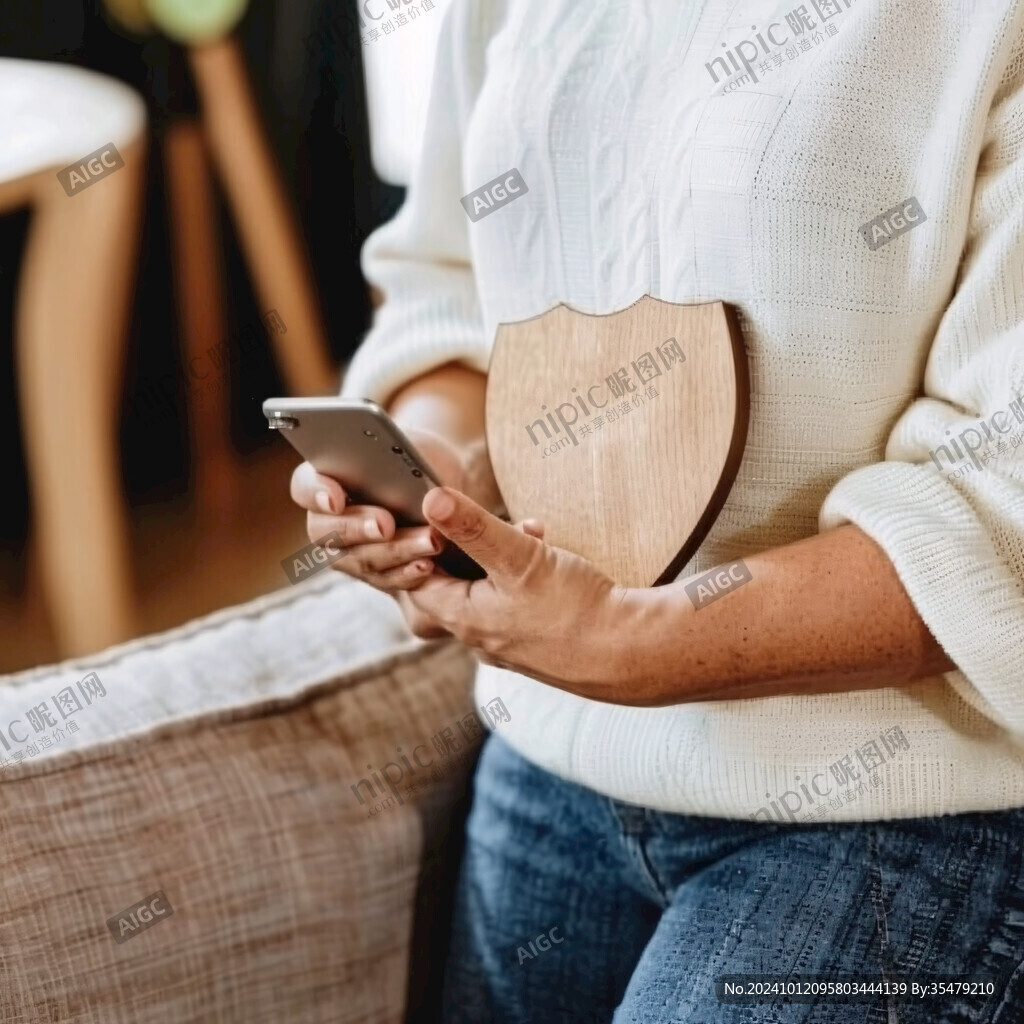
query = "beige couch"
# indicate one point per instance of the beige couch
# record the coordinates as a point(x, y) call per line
point(219, 764)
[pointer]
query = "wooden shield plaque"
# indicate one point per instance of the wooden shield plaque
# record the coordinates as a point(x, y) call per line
point(622, 433)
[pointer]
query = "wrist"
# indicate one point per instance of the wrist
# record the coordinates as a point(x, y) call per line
point(637, 646)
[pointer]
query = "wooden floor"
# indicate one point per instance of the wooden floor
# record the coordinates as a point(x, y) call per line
point(187, 561)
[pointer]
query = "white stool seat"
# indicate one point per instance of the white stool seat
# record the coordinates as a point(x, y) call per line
point(53, 114)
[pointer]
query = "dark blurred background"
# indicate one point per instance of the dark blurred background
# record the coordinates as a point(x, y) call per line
point(309, 88)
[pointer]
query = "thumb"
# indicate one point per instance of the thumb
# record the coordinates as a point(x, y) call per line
point(497, 546)
point(533, 527)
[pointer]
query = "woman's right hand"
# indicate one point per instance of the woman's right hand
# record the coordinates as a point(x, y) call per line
point(389, 558)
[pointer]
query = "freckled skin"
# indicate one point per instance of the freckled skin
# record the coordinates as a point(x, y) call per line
point(825, 614)
point(791, 628)
point(794, 628)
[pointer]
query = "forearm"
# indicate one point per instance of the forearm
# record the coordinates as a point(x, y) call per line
point(824, 614)
point(450, 401)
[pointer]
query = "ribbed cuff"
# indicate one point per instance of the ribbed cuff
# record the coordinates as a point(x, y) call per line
point(963, 590)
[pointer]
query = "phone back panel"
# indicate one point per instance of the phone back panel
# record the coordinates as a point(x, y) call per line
point(357, 443)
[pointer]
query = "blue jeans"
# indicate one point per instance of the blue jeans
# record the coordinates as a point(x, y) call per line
point(573, 907)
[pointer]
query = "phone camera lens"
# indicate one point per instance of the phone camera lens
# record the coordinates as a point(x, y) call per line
point(416, 472)
point(278, 421)
point(396, 449)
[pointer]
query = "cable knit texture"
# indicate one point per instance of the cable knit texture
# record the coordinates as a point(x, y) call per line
point(652, 172)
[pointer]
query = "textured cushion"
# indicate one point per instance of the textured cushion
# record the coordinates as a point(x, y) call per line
point(52, 114)
point(218, 768)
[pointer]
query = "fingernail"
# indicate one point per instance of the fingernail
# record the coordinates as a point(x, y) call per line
point(442, 504)
point(373, 530)
point(323, 502)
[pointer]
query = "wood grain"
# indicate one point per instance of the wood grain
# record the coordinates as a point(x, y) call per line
point(638, 493)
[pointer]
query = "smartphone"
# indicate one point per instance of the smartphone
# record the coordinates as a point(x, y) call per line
point(357, 443)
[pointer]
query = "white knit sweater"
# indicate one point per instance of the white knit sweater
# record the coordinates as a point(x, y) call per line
point(648, 176)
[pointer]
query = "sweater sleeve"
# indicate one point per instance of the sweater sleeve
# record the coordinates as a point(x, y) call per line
point(947, 504)
point(421, 259)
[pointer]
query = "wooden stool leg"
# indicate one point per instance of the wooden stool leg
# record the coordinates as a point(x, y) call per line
point(198, 285)
point(266, 226)
point(71, 323)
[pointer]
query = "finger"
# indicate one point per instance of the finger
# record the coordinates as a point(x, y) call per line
point(404, 577)
point(497, 546)
point(401, 577)
point(361, 524)
point(421, 624)
point(317, 493)
point(408, 544)
point(445, 599)
point(533, 528)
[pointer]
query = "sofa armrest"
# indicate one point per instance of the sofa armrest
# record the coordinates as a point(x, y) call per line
point(229, 765)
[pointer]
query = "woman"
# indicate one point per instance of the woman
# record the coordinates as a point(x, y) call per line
point(820, 773)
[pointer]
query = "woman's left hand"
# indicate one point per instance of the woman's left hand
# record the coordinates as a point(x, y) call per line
point(542, 611)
